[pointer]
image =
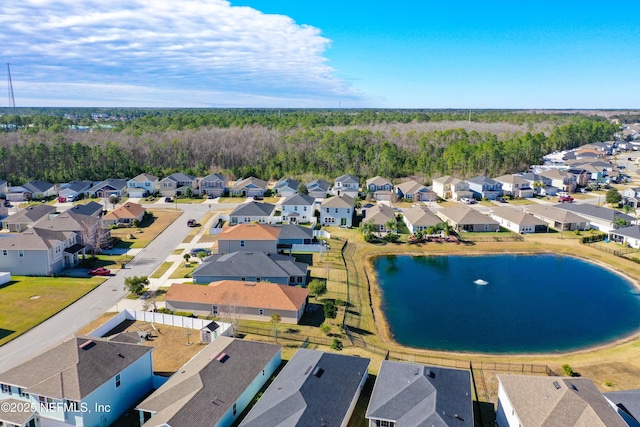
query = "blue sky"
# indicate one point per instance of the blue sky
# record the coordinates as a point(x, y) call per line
point(294, 53)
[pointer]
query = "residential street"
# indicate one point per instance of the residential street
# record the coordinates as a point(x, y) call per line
point(85, 310)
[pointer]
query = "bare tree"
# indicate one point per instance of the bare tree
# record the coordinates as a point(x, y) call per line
point(231, 310)
point(95, 237)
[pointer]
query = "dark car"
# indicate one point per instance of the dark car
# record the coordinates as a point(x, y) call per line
point(192, 223)
point(196, 251)
point(100, 271)
point(168, 200)
point(256, 197)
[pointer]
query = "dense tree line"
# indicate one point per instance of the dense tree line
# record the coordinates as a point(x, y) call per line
point(268, 151)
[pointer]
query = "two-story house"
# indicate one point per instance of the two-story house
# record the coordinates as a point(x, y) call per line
point(541, 184)
point(27, 217)
point(298, 209)
point(176, 184)
point(484, 187)
point(249, 187)
point(143, 185)
point(631, 197)
point(348, 185)
point(414, 191)
point(516, 186)
point(337, 210)
point(214, 185)
point(562, 180)
point(448, 187)
point(83, 381)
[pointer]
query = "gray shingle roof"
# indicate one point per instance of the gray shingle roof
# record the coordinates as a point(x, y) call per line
point(180, 177)
point(298, 200)
point(632, 231)
point(312, 389)
point(250, 264)
point(91, 208)
point(318, 184)
point(348, 179)
point(144, 177)
point(214, 177)
point(34, 239)
point(250, 181)
point(115, 183)
point(628, 401)
point(74, 368)
point(342, 201)
point(68, 221)
point(421, 216)
point(30, 214)
point(463, 215)
point(517, 216)
point(254, 209)
point(595, 211)
point(36, 186)
point(205, 389)
point(555, 214)
point(287, 183)
point(292, 231)
point(481, 179)
point(77, 186)
point(416, 395)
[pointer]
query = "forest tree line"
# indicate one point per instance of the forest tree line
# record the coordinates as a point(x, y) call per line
point(272, 152)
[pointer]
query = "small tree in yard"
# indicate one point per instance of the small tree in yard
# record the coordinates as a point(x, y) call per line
point(188, 192)
point(136, 284)
point(325, 328)
point(202, 256)
point(302, 189)
point(613, 197)
point(568, 371)
point(318, 288)
point(114, 200)
point(330, 310)
point(275, 319)
point(336, 345)
point(186, 257)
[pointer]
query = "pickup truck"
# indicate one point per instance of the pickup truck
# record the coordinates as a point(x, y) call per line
point(567, 199)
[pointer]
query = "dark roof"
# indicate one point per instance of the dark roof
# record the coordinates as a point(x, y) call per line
point(595, 211)
point(318, 184)
point(348, 179)
point(204, 389)
point(36, 186)
point(30, 214)
point(180, 177)
point(287, 182)
point(74, 368)
point(481, 179)
point(77, 185)
point(214, 177)
point(292, 231)
point(628, 401)
point(417, 395)
point(250, 264)
point(632, 231)
point(312, 389)
point(90, 208)
point(254, 209)
point(298, 200)
point(115, 183)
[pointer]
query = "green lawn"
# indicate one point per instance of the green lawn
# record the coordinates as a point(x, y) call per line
point(519, 202)
point(161, 270)
point(187, 200)
point(28, 301)
point(231, 199)
point(182, 271)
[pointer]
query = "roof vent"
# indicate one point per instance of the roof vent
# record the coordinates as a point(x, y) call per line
point(318, 371)
point(556, 384)
point(86, 345)
point(430, 373)
point(573, 386)
point(308, 369)
point(222, 358)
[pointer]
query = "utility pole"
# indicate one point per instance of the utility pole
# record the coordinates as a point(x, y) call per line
point(12, 99)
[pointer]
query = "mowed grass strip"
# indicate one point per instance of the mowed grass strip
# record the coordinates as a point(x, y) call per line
point(161, 270)
point(28, 301)
point(150, 228)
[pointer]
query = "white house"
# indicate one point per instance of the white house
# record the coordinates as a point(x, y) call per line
point(298, 209)
point(337, 210)
point(516, 186)
point(262, 213)
point(627, 235)
point(419, 218)
point(249, 187)
point(143, 185)
point(286, 187)
point(318, 188)
point(484, 187)
point(84, 381)
point(448, 187)
point(214, 185)
point(346, 185)
point(518, 221)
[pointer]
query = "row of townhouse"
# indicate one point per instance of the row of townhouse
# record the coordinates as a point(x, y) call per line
point(92, 381)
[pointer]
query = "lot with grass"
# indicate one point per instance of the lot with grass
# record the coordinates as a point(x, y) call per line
point(28, 301)
point(161, 270)
point(149, 229)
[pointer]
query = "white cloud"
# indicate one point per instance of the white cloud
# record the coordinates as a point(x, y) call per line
point(165, 51)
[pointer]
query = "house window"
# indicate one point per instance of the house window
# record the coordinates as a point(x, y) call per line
point(348, 210)
point(21, 253)
point(23, 393)
point(258, 279)
point(263, 372)
point(336, 210)
point(5, 252)
point(242, 243)
point(166, 185)
point(327, 210)
point(214, 310)
point(295, 208)
point(292, 279)
point(261, 311)
point(243, 278)
point(235, 410)
point(6, 389)
point(118, 382)
point(304, 208)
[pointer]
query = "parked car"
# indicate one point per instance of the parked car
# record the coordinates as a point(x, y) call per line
point(192, 223)
point(467, 201)
point(168, 200)
point(256, 197)
point(196, 251)
point(100, 271)
point(567, 199)
point(61, 200)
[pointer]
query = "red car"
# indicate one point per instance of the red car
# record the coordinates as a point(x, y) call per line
point(100, 271)
point(563, 199)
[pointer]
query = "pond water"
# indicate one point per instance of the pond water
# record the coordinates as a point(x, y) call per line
point(504, 303)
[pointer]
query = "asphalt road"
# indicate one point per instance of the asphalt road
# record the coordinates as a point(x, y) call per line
point(64, 324)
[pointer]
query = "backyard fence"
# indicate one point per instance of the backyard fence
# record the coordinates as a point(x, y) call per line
point(488, 237)
point(290, 334)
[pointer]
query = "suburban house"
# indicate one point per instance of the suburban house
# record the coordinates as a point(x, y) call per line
point(581, 175)
point(248, 237)
point(28, 216)
point(32, 190)
point(448, 187)
point(631, 196)
point(92, 209)
point(380, 188)
point(177, 184)
point(516, 186)
point(235, 300)
point(337, 210)
point(464, 218)
point(347, 185)
point(143, 185)
point(518, 221)
point(601, 218)
point(39, 252)
point(286, 187)
point(214, 185)
point(69, 383)
point(109, 187)
point(558, 219)
point(627, 404)
point(71, 191)
point(298, 209)
point(411, 395)
point(627, 235)
point(379, 215)
point(88, 229)
point(541, 184)
point(292, 235)
point(253, 267)
point(525, 400)
point(560, 179)
point(313, 389)
point(318, 189)
point(412, 190)
point(263, 213)
point(249, 187)
point(419, 218)
point(214, 387)
point(483, 187)
point(126, 214)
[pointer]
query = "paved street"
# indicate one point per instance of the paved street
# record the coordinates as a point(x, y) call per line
point(65, 323)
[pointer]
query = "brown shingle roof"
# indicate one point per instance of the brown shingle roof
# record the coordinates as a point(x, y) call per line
point(128, 210)
point(245, 294)
point(250, 232)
